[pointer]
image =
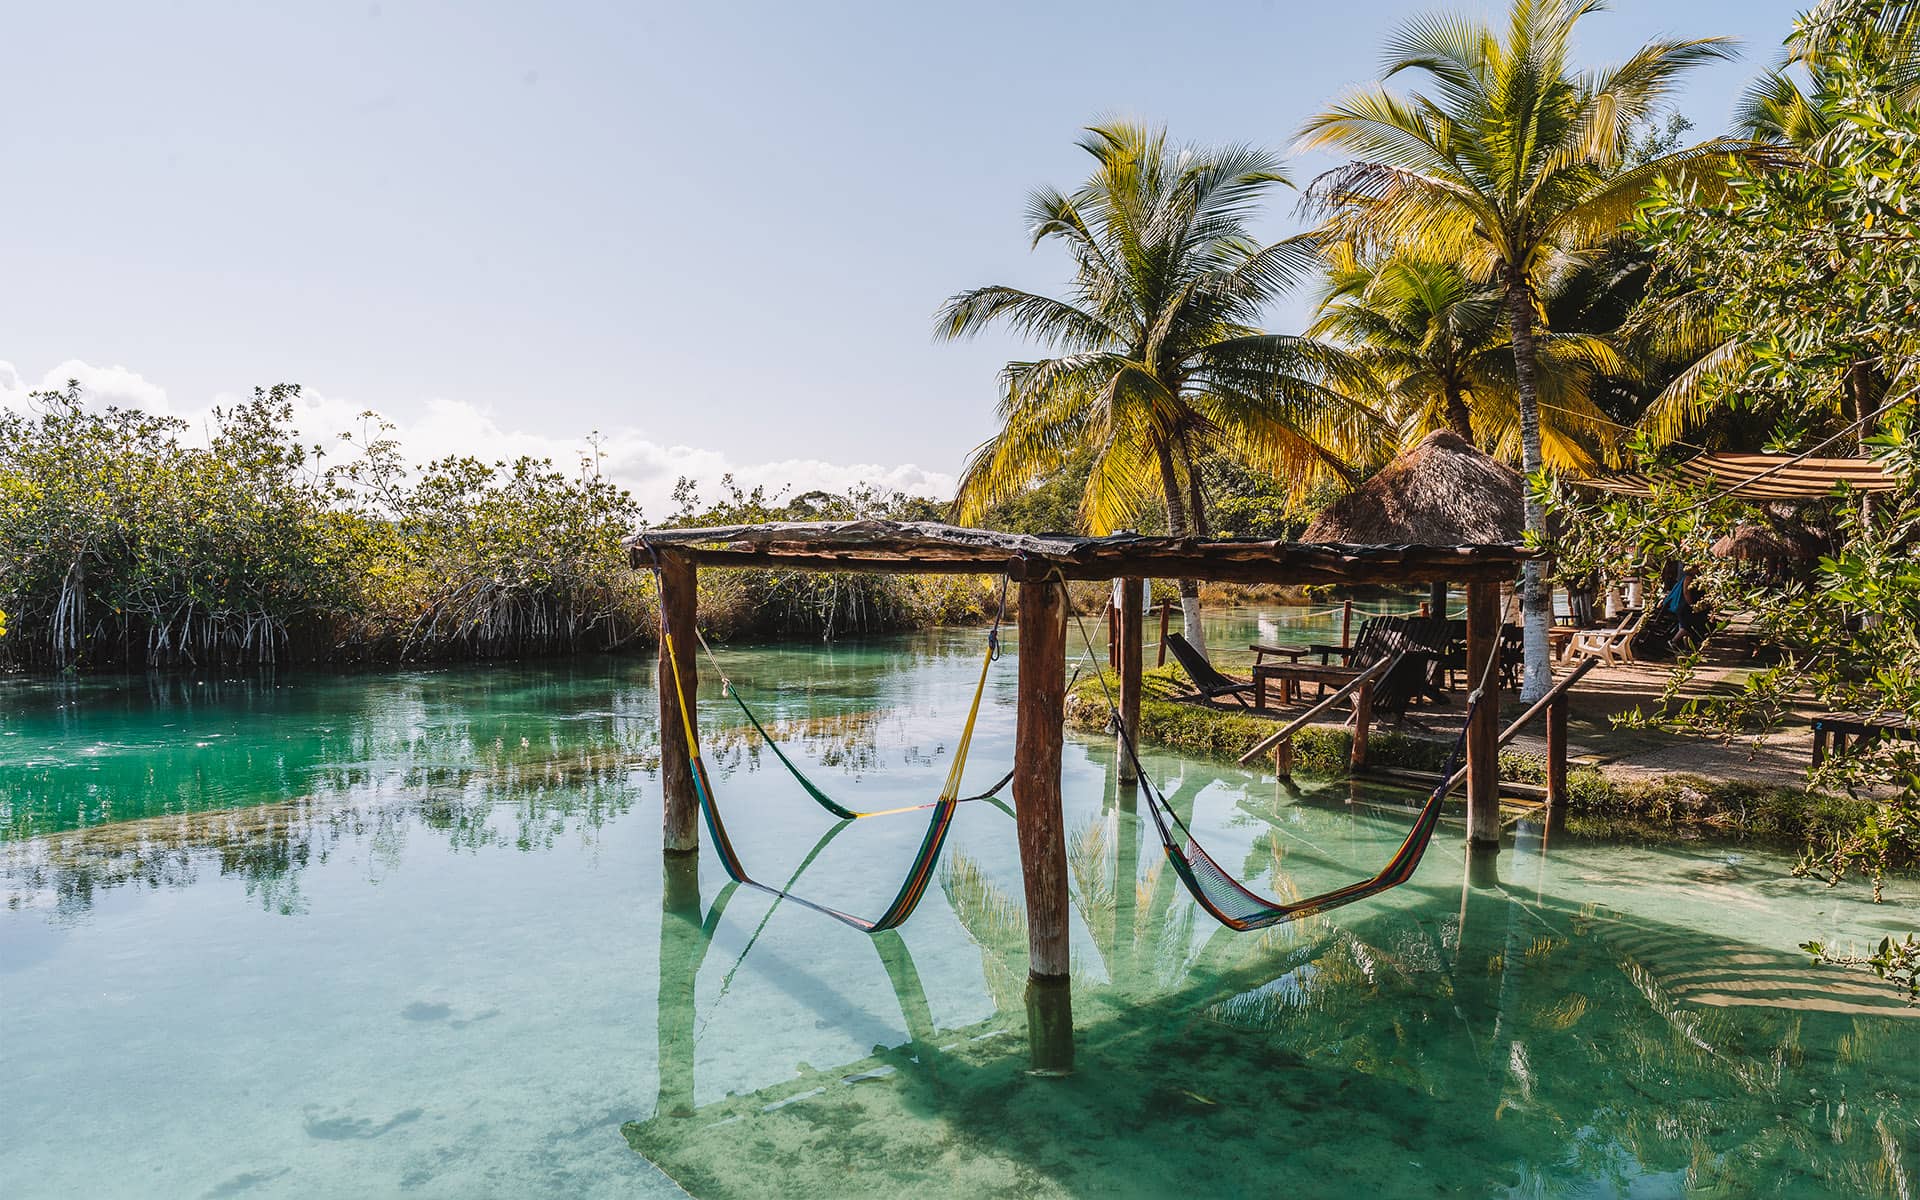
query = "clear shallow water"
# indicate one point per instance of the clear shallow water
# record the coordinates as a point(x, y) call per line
point(409, 934)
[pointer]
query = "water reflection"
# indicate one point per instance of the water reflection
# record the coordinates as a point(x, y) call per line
point(1477, 1036)
point(1575, 1019)
point(1496, 1045)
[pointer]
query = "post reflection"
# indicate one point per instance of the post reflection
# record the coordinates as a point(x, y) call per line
point(684, 939)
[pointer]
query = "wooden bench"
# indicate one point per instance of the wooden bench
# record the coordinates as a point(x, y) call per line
point(1835, 733)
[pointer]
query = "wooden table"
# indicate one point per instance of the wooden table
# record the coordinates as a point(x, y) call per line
point(1292, 654)
point(1293, 674)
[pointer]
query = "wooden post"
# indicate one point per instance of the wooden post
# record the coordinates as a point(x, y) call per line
point(1132, 659)
point(1113, 637)
point(1362, 719)
point(1283, 758)
point(679, 599)
point(1346, 624)
point(1557, 752)
point(1038, 733)
point(1166, 610)
point(1483, 732)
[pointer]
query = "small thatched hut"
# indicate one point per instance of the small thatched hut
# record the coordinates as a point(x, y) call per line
point(1442, 492)
point(1782, 551)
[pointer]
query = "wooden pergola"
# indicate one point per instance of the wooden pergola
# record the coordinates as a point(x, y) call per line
point(1039, 564)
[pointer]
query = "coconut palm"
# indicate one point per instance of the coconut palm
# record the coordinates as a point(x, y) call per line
point(1436, 342)
point(1514, 166)
point(1159, 360)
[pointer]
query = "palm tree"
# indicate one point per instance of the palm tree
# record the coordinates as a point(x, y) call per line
point(1158, 357)
point(1436, 342)
point(1514, 166)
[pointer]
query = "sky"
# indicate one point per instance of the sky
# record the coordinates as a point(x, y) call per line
point(716, 234)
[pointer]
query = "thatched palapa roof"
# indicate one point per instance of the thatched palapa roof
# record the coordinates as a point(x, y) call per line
point(1772, 545)
point(1442, 492)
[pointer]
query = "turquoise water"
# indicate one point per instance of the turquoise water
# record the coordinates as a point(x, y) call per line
point(409, 934)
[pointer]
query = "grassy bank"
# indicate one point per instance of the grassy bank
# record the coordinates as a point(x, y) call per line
point(1598, 802)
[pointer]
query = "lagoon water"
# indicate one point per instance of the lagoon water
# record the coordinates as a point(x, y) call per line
point(409, 934)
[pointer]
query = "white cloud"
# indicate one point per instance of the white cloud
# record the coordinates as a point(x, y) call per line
point(445, 427)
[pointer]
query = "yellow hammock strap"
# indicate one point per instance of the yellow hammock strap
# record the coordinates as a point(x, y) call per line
point(820, 797)
point(680, 693)
point(915, 885)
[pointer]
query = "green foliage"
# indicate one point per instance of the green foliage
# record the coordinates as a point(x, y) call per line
point(1052, 505)
point(485, 559)
point(1896, 962)
point(118, 541)
point(1810, 255)
point(1436, 342)
point(122, 543)
point(1250, 503)
point(1813, 262)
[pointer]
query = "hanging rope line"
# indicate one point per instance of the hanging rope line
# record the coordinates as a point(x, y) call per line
point(919, 874)
point(1224, 897)
point(731, 690)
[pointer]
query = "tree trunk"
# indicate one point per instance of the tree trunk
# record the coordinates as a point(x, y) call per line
point(1535, 610)
point(1458, 417)
point(1860, 387)
point(1177, 525)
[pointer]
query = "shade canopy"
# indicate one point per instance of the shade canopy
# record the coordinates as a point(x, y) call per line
point(1442, 492)
point(928, 547)
point(1762, 476)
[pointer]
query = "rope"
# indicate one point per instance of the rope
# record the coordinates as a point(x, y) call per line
point(919, 875)
point(732, 690)
point(1191, 861)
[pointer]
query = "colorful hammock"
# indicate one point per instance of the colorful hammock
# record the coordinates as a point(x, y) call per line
point(731, 690)
point(919, 875)
point(1224, 897)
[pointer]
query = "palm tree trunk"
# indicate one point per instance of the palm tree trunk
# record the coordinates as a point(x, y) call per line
point(1535, 610)
point(1457, 415)
point(1177, 526)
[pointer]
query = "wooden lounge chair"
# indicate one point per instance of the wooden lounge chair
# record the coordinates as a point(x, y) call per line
point(1208, 682)
point(1610, 646)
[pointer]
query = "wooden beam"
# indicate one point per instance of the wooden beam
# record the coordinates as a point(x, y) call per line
point(1296, 567)
point(934, 548)
point(679, 601)
point(1039, 731)
point(1483, 731)
point(1132, 662)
